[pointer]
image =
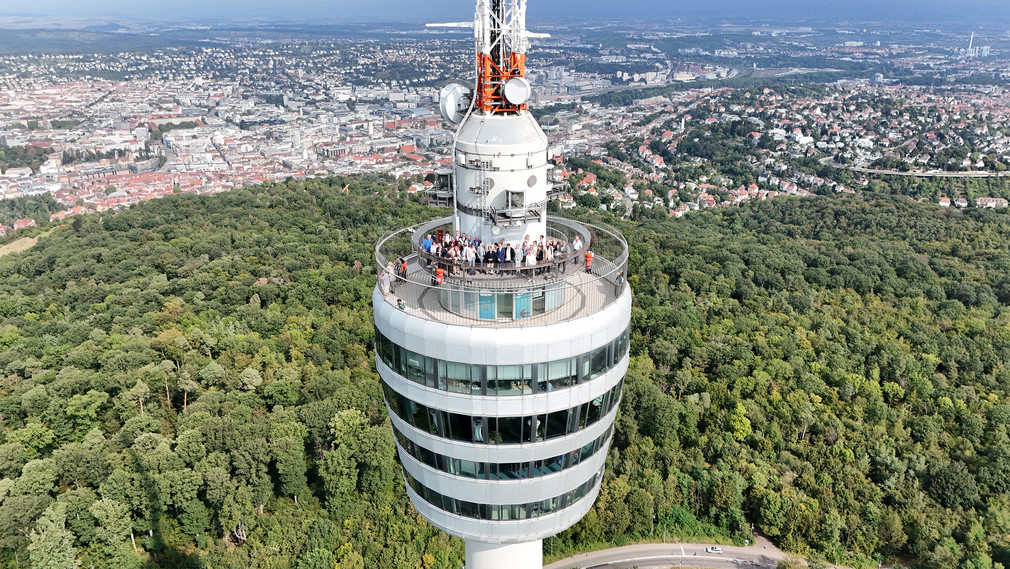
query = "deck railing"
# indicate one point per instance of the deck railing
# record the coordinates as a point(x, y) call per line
point(516, 294)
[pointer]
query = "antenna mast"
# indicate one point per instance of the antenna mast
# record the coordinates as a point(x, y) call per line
point(502, 42)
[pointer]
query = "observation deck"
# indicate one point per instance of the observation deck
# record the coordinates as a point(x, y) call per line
point(502, 295)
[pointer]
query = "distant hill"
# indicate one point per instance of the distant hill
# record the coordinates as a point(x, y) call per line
point(110, 27)
point(62, 41)
point(113, 37)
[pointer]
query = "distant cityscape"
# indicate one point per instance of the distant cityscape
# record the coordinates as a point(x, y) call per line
point(103, 131)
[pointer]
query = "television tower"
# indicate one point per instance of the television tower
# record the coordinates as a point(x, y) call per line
point(502, 377)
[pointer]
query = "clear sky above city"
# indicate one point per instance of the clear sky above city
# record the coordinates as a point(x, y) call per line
point(981, 11)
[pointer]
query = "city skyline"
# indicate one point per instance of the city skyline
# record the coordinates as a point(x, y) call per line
point(981, 11)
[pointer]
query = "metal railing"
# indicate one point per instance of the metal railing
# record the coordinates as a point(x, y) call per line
point(506, 215)
point(518, 295)
point(439, 198)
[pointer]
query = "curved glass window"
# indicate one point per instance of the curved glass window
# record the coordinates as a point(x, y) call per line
point(501, 430)
point(489, 304)
point(500, 380)
point(504, 471)
point(502, 512)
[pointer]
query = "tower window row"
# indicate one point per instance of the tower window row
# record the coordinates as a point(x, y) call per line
point(503, 512)
point(500, 380)
point(503, 471)
point(502, 430)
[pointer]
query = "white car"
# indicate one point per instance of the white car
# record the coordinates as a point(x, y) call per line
point(713, 549)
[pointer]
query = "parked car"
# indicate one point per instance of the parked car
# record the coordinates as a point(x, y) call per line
point(713, 549)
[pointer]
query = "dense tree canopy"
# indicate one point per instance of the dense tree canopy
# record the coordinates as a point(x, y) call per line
point(191, 383)
point(833, 370)
point(178, 384)
point(21, 157)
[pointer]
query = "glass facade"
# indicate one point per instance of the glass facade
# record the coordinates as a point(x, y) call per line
point(503, 471)
point(490, 304)
point(500, 380)
point(501, 430)
point(502, 512)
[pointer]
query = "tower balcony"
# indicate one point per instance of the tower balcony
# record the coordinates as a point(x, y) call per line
point(505, 294)
point(441, 194)
point(506, 216)
point(558, 186)
point(439, 198)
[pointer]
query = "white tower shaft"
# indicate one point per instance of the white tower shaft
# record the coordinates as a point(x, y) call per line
point(496, 556)
point(502, 373)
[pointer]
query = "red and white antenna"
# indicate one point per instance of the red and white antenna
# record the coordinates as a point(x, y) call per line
point(502, 41)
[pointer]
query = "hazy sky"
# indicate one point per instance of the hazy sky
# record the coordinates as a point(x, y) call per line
point(983, 11)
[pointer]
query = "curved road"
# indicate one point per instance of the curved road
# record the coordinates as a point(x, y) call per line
point(660, 555)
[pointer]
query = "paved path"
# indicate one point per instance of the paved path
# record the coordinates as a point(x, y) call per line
point(656, 555)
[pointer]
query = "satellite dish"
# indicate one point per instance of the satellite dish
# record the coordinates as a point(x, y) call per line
point(453, 101)
point(517, 90)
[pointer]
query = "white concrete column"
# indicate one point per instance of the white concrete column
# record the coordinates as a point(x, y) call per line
point(529, 555)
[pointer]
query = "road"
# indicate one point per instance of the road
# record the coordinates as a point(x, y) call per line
point(829, 161)
point(656, 555)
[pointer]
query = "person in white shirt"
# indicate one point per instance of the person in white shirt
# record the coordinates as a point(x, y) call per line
point(384, 284)
point(531, 257)
point(391, 275)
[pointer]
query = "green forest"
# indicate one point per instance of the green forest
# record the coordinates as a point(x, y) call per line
point(191, 383)
point(21, 157)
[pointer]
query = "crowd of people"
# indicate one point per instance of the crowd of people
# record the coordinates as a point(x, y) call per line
point(456, 253)
point(461, 252)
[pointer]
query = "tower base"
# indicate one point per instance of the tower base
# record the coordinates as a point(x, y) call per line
point(529, 555)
